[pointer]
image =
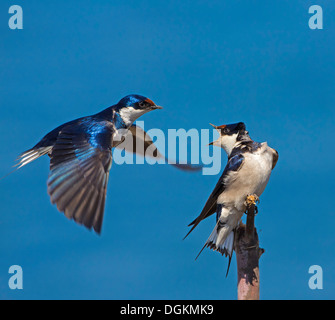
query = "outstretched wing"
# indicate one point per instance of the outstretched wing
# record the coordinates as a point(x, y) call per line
point(79, 168)
point(138, 141)
point(234, 164)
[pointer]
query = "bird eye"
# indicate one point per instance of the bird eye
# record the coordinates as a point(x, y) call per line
point(141, 104)
point(225, 130)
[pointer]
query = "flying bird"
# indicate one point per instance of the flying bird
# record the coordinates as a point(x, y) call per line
point(80, 154)
point(247, 173)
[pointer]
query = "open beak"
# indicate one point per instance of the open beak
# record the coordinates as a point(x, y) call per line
point(215, 127)
point(218, 128)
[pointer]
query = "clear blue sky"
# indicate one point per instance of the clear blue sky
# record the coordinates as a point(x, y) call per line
point(218, 62)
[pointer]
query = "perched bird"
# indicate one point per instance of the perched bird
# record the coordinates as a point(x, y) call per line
point(247, 173)
point(80, 154)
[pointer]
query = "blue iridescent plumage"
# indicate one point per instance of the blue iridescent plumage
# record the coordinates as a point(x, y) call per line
point(234, 163)
point(80, 159)
point(80, 154)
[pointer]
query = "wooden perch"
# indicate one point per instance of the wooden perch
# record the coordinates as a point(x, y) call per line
point(248, 254)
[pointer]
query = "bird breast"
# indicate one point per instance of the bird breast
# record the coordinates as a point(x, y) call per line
point(252, 178)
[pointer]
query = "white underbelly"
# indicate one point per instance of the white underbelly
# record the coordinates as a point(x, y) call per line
point(252, 178)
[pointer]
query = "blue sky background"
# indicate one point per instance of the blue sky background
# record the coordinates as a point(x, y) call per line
point(217, 61)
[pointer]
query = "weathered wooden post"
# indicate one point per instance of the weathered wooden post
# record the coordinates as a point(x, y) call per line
point(248, 253)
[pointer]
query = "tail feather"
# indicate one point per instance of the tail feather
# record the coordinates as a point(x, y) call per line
point(27, 157)
point(31, 155)
point(221, 240)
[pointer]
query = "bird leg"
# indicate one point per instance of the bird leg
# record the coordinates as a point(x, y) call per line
point(250, 201)
point(251, 211)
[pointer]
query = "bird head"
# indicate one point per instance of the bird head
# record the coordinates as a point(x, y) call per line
point(133, 106)
point(230, 134)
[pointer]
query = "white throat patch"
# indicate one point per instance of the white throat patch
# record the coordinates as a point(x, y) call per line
point(228, 142)
point(129, 115)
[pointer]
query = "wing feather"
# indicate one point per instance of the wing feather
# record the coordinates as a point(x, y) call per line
point(234, 164)
point(138, 141)
point(79, 170)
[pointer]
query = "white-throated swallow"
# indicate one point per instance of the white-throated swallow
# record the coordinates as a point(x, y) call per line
point(80, 154)
point(247, 173)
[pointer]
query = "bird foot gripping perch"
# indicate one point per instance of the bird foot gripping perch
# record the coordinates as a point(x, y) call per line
point(252, 199)
point(250, 202)
point(251, 211)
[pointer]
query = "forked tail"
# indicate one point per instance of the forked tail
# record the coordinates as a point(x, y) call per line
point(31, 155)
point(221, 240)
point(27, 157)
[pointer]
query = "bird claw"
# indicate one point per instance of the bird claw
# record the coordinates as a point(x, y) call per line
point(251, 199)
